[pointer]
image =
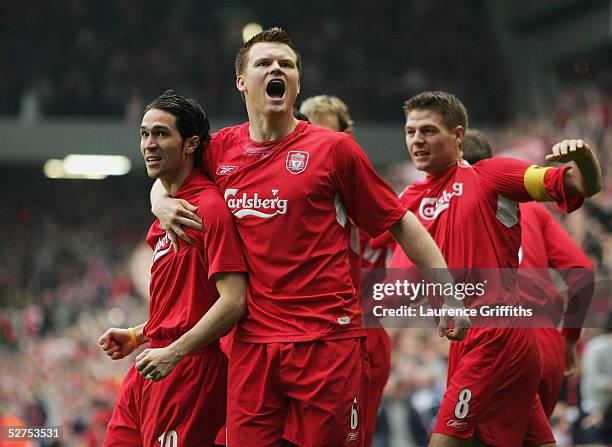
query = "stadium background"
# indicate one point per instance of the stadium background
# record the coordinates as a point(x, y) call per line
point(76, 74)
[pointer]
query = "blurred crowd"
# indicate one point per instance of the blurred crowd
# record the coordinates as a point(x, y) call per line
point(65, 276)
point(105, 58)
point(71, 253)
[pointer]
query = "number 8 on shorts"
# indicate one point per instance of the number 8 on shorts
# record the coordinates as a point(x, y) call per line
point(462, 407)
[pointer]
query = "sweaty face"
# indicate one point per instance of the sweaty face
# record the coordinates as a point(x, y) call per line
point(161, 145)
point(432, 146)
point(271, 81)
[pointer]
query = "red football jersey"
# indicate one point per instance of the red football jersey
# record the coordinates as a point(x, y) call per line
point(292, 200)
point(545, 244)
point(472, 212)
point(182, 285)
point(468, 204)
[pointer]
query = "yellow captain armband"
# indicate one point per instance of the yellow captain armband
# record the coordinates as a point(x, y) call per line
point(132, 333)
point(534, 183)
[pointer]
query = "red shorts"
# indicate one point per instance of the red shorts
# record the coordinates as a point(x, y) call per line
point(307, 393)
point(378, 347)
point(491, 391)
point(189, 405)
point(551, 345)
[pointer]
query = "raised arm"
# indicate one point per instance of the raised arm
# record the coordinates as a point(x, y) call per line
point(425, 254)
point(173, 214)
point(156, 364)
point(584, 179)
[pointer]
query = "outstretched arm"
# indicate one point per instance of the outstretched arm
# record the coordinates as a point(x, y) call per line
point(425, 254)
point(583, 180)
point(156, 364)
point(173, 214)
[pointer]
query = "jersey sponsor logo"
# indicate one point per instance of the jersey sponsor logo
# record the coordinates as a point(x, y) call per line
point(458, 425)
point(254, 205)
point(162, 247)
point(226, 170)
point(431, 208)
point(297, 161)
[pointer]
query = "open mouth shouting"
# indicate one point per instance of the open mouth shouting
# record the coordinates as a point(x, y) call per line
point(276, 89)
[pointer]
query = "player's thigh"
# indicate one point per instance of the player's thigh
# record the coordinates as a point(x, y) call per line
point(490, 393)
point(551, 346)
point(538, 431)
point(124, 426)
point(327, 383)
point(256, 403)
point(189, 406)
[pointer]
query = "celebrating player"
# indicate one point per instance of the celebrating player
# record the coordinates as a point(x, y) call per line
point(332, 113)
point(298, 362)
point(176, 393)
point(472, 214)
point(545, 244)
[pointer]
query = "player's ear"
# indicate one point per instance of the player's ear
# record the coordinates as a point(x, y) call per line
point(459, 131)
point(191, 144)
point(349, 130)
point(240, 84)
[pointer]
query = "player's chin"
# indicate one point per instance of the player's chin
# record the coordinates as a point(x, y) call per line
point(420, 165)
point(279, 109)
point(152, 172)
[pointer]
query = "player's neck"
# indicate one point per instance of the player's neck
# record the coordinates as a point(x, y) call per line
point(438, 172)
point(174, 183)
point(263, 128)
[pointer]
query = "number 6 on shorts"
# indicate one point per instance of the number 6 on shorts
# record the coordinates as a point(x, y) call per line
point(462, 407)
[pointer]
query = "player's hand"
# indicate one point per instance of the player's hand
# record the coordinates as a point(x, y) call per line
point(460, 329)
point(116, 343)
point(571, 363)
point(156, 364)
point(174, 214)
point(568, 150)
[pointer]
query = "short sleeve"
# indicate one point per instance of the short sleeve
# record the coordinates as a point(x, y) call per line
point(369, 201)
point(221, 241)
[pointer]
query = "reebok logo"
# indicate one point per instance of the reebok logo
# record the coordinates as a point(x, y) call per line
point(247, 205)
point(431, 208)
point(226, 170)
point(459, 425)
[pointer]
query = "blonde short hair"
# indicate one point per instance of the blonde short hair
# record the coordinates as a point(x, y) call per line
point(322, 104)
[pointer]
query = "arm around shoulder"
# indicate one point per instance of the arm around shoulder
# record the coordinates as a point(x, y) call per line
point(173, 213)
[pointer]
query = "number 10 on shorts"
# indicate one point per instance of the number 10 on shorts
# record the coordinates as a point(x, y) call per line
point(168, 439)
point(462, 407)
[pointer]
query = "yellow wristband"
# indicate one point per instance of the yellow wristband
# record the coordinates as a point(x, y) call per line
point(133, 337)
